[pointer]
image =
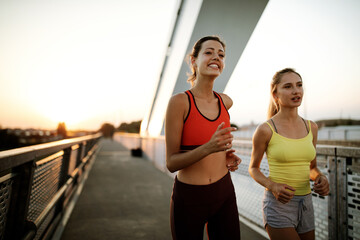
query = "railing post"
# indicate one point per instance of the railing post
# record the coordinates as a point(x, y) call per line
point(342, 197)
point(81, 152)
point(64, 177)
point(332, 206)
point(338, 198)
point(17, 225)
point(65, 166)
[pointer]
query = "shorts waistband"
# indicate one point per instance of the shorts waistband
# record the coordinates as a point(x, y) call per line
point(225, 178)
point(295, 197)
point(209, 192)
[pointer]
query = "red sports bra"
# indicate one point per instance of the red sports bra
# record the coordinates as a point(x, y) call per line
point(197, 128)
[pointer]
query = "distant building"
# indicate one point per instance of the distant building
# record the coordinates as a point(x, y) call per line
point(15, 138)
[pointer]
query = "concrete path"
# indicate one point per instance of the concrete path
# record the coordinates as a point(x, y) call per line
point(125, 198)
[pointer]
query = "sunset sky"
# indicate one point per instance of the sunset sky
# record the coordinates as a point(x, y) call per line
point(89, 62)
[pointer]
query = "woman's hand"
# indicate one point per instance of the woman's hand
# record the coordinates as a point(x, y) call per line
point(232, 161)
point(221, 140)
point(321, 185)
point(282, 192)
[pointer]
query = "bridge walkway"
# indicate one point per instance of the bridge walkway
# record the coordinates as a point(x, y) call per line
point(124, 197)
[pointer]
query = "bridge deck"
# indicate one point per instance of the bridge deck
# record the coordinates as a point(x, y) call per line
point(125, 197)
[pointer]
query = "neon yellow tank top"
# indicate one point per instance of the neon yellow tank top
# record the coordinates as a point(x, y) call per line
point(289, 160)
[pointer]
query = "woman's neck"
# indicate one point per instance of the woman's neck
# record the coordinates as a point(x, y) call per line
point(288, 114)
point(203, 88)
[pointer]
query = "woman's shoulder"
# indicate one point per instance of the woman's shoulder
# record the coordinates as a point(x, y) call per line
point(313, 125)
point(227, 100)
point(264, 130)
point(178, 101)
point(179, 97)
point(310, 123)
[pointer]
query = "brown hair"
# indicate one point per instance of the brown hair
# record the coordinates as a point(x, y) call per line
point(195, 53)
point(274, 105)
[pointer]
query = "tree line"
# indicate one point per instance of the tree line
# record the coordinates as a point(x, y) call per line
point(108, 129)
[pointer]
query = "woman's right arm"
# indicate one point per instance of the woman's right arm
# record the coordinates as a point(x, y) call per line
point(175, 114)
point(261, 139)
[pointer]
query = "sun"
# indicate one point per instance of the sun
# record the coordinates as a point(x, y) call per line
point(67, 109)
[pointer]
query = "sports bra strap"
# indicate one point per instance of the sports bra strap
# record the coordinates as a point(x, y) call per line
point(274, 125)
point(307, 129)
point(270, 126)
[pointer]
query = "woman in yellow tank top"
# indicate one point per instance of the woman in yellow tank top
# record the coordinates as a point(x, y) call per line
point(290, 145)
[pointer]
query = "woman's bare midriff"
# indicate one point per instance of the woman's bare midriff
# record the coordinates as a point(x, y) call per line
point(208, 170)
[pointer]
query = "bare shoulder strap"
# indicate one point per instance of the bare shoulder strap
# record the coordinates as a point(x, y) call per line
point(307, 129)
point(270, 126)
point(189, 95)
point(274, 125)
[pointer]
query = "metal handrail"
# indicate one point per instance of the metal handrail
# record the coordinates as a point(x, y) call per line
point(21, 173)
point(15, 157)
point(61, 192)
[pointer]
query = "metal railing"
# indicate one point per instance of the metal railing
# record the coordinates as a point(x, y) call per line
point(37, 182)
point(337, 216)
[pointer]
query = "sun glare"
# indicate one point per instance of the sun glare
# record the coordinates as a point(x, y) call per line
point(57, 114)
point(67, 108)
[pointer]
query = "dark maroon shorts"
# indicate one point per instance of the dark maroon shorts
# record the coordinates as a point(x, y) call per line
point(214, 205)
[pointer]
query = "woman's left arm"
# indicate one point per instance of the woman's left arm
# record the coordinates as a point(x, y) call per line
point(232, 160)
point(321, 184)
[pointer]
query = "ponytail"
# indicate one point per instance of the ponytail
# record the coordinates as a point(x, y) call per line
point(273, 108)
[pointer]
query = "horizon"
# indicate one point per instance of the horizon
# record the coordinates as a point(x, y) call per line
point(129, 122)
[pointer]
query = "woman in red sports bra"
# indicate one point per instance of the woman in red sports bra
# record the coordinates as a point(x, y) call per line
point(198, 146)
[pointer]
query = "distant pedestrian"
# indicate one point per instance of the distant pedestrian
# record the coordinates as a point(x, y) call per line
point(290, 145)
point(198, 146)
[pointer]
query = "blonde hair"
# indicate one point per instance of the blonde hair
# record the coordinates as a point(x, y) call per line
point(195, 53)
point(274, 105)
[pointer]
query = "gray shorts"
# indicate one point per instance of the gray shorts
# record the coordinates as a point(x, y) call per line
point(298, 213)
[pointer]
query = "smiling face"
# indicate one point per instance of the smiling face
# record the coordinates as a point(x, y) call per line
point(211, 59)
point(289, 92)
